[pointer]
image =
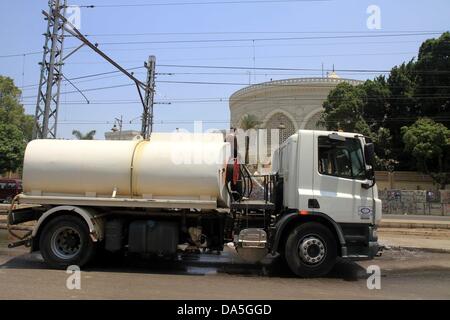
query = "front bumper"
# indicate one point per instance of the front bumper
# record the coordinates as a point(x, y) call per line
point(363, 246)
point(375, 250)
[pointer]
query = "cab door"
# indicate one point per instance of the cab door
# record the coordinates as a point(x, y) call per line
point(339, 175)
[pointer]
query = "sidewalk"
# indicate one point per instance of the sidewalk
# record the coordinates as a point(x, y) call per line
point(415, 221)
point(432, 240)
point(415, 232)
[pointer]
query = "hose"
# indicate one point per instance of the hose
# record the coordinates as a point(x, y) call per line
point(8, 226)
point(250, 180)
point(244, 184)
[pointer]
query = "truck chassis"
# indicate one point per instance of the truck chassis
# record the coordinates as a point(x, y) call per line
point(70, 230)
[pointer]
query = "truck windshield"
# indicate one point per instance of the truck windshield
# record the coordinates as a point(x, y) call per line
point(341, 158)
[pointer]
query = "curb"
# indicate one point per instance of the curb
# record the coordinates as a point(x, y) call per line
point(414, 225)
point(431, 250)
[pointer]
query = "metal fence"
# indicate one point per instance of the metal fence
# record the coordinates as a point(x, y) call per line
point(421, 202)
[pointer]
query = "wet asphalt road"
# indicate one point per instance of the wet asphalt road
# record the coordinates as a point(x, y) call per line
point(404, 275)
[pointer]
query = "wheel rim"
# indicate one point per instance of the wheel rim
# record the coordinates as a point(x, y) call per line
point(312, 249)
point(66, 243)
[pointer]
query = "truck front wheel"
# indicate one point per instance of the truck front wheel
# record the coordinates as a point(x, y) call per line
point(310, 250)
point(65, 241)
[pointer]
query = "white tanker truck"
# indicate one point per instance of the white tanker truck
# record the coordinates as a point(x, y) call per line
point(153, 196)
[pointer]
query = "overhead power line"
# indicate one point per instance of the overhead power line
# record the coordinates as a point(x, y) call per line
point(219, 121)
point(220, 46)
point(197, 3)
point(251, 32)
point(290, 69)
point(267, 85)
point(272, 39)
point(267, 57)
point(354, 71)
point(90, 89)
point(260, 45)
point(28, 53)
point(20, 54)
point(265, 68)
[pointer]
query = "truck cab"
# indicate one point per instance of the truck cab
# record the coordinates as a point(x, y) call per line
point(327, 178)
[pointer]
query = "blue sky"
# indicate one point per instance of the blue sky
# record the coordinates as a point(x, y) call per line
point(163, 29)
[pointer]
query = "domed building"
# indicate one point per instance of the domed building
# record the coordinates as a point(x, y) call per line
point(290, 104)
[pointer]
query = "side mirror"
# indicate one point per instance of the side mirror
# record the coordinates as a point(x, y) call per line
point(369, 153)
point(369, 156)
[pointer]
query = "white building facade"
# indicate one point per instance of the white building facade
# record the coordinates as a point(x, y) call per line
point(290, 104)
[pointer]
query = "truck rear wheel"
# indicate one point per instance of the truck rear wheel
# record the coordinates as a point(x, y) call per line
point(310, 250)
point(65, 241)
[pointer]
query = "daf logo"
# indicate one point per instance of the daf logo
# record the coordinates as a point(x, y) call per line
point(365, 212)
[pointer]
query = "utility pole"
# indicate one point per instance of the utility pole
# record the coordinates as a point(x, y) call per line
point(147, 115)
point(46, 115)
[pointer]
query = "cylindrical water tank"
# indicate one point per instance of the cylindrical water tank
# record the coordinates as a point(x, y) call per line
point(168, 166)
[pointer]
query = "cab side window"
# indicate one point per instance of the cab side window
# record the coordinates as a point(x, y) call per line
point(341, 158)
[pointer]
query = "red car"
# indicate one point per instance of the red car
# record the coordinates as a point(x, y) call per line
point(9, 188)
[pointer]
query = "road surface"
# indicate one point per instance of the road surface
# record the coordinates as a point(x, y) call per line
point(404, 275)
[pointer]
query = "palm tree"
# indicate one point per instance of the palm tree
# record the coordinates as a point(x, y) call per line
point(88, 136)
point(248, 122)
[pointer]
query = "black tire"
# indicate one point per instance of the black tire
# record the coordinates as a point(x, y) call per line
point(65, 241)
point(310, 250)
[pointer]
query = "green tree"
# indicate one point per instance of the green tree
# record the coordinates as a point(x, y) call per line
point(88, 136)
point(15, 127)
point(428, 142)
point(343, 110)
point(433, 78)
point(383, 149)
point(362, 109)
point(402, 109)
point(11, 111)
point(248, 122)
point(12, 147)
point(413, 89)
point(375, 95)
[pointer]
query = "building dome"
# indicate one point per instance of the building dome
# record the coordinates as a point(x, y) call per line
point(333, 75)
point(290, 104)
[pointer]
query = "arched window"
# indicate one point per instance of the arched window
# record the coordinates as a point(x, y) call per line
point(282, 122)
point(311, 123)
